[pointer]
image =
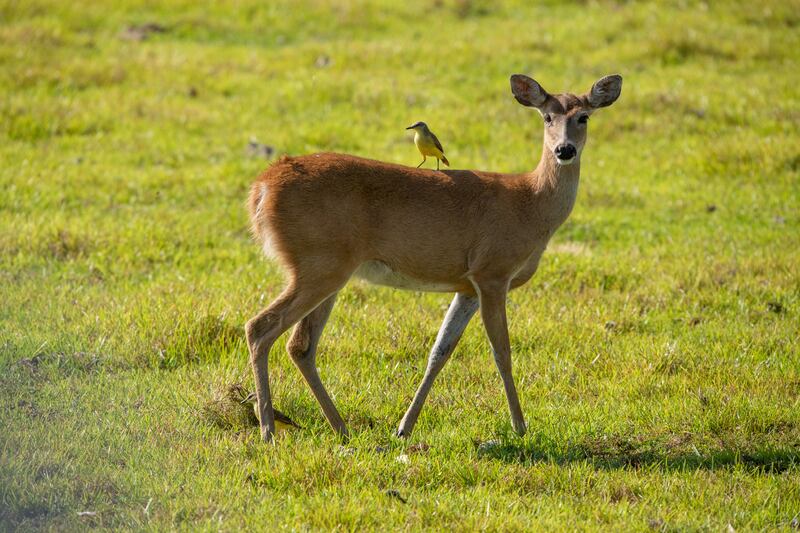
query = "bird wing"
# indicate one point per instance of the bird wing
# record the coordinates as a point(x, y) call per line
point(437, 143)
point(280, 417)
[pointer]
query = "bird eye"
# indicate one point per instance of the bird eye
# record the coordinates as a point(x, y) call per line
point(548, 119)
point(583, 119)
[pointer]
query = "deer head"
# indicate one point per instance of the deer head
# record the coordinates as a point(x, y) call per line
point(566, 115)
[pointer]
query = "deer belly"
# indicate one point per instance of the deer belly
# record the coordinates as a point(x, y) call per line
point(380, 273)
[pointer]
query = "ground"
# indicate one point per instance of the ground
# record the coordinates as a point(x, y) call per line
point(656, 350)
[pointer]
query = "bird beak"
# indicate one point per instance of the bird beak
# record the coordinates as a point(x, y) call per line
point(410, 128)
point(250, 398)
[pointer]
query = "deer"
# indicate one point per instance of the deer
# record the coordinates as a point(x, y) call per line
point(328, 217)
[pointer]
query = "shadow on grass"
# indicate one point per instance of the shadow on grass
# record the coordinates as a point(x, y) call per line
point(676, 452)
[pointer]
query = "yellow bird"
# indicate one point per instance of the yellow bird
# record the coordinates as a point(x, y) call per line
point(428, 144)
point(282, 422)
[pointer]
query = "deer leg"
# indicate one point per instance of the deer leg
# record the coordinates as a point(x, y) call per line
point(461, 310)
point(423, 160)
point(302, 348)
point(493, 312)
point(264, 329)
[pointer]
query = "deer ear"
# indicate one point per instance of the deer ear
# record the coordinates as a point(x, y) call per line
point(605, 91)
point(527, 91)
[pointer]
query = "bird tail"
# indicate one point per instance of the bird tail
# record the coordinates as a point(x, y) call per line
point(445, 161)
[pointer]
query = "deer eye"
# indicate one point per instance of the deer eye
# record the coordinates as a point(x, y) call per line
point(548, 119)
point(583, 119)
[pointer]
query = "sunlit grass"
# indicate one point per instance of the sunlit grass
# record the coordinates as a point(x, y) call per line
point(655, 351)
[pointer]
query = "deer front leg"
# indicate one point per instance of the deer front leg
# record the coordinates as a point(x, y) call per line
point(461, 310)
point(493, 312)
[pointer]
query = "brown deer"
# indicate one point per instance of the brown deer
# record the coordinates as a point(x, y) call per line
point(327, 217)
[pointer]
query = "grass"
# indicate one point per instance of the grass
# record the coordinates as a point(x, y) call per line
point(656, 349)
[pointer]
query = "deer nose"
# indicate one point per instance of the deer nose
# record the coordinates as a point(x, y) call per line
point(565, 151)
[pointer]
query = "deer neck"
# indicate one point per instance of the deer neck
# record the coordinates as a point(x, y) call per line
point(554, 188)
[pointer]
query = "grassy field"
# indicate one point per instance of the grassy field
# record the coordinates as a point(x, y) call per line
point(656, 350)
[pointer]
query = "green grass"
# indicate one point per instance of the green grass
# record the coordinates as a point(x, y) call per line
point(656, 350)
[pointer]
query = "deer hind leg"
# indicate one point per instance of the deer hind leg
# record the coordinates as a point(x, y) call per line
point(493, 312)
point(296, 301)
point(461, 310)
point(302, 348)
